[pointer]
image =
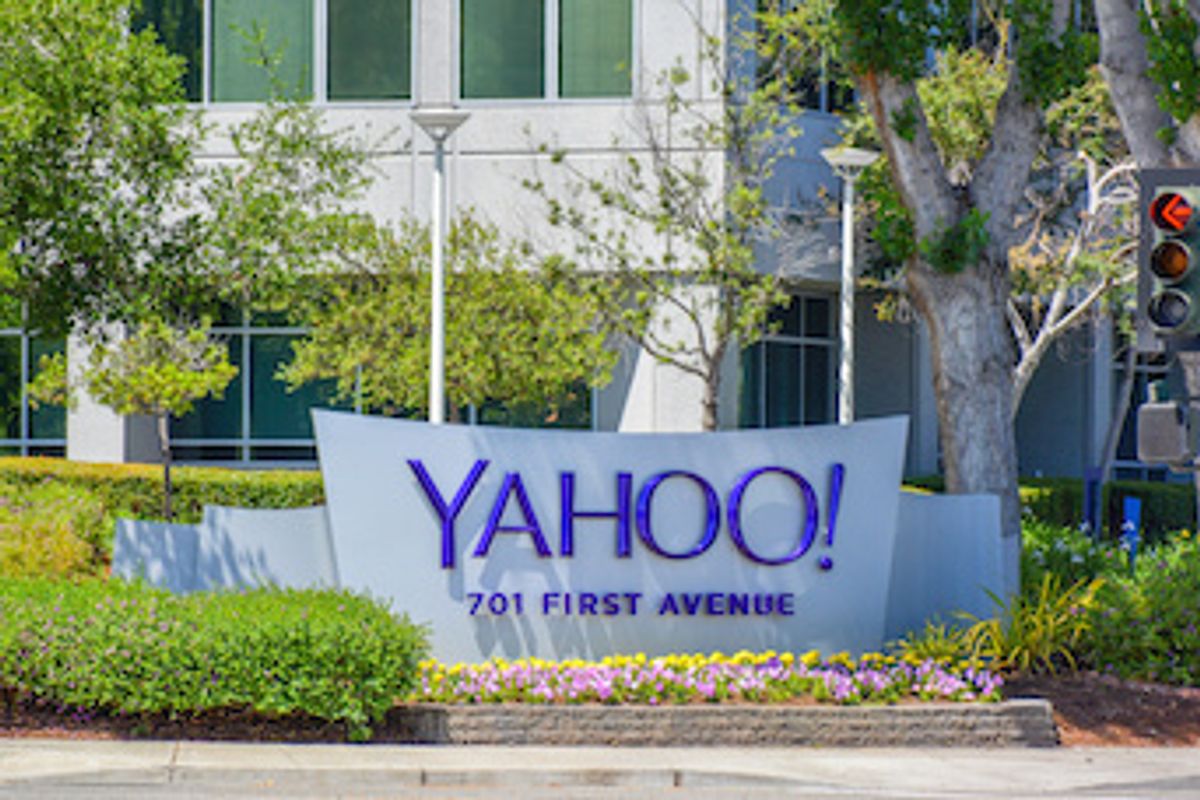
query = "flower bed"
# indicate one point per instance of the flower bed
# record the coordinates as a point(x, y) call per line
point(743, 677)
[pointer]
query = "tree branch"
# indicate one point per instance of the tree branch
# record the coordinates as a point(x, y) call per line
point(915, 164)
point(1123, 63)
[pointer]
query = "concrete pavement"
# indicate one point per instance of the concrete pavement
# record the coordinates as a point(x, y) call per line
point(67, 769)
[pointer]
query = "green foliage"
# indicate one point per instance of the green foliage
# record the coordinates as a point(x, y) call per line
point(1146, 626)
point(136, 490)
point(281, 212)
point(127, 649)
point(937, 641)
point(93, 138)
point(1084, 119)
point(895, 36)
point(1037, 630)
point(669, 246)
point(50, 529)
point(519, 332)
point(1068, 553)
point(959, 101)
point(1050, 65)
point(116, 217)
point(957, 246)
point(1171, 33)
point(157, 370)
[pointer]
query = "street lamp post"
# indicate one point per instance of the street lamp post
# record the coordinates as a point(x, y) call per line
point(848, 164)
point(438, 123)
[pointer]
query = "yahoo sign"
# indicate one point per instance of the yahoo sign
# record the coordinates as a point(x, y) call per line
point(562, 543)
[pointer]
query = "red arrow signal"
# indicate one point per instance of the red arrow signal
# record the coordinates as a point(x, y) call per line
point(1171, 212)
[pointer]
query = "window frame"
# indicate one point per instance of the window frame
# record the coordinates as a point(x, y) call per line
point(320, 63)
point(26, 444)
point(551, 66)
point(758, 351)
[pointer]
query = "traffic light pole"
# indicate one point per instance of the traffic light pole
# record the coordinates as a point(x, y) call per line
point(1189, 363)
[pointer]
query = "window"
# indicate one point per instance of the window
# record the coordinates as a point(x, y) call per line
point(257, 419)
point(503, 45)
point(787, 378)
point(247, 35)
point(180, 27)
point(594, 48)
point(505, 52)
point(26, 431)
point(319, 49)
point(369, 45)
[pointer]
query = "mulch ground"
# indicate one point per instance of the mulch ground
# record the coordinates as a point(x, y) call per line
point(1089, 709)
point(1098, 710)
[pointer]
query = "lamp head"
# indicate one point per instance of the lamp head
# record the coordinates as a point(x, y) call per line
point(439, 123)
point(848, 162)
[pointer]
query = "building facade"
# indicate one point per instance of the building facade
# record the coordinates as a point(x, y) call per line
point(576, 74)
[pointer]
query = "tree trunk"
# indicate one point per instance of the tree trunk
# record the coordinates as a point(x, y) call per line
point(164, 444)
point(708, 419)
point(973, 383)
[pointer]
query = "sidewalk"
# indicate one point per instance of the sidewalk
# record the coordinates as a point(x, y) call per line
point(49, 768)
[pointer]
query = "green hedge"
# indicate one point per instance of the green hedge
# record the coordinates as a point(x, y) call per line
point(1166, 507)
point(52, 530)
point(125, 648)
point(136, 489)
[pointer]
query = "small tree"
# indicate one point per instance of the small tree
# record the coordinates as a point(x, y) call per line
point(666, 240)
point(159, 371)
point(516, 333)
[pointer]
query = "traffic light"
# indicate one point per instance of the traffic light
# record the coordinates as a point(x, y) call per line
point(1173, 307)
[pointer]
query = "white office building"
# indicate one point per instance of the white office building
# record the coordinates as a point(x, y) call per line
point(575, 73)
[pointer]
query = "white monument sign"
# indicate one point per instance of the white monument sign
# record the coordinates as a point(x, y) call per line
point(566, 544)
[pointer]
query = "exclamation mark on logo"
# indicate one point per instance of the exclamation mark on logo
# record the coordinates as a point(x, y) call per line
point(836, 479)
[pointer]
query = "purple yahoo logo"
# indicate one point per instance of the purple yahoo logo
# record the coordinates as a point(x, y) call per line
point(627, 514)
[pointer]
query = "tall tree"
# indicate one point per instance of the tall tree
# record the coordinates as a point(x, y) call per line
point(94, 136)
point(961, 227)
point(1076, 232)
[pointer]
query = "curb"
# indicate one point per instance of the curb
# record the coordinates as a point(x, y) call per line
point(1011, 723)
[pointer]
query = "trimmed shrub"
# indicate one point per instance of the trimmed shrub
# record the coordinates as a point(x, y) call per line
point(1166, 507)
point(125, 648)
point(51, 530)
point(136, 489)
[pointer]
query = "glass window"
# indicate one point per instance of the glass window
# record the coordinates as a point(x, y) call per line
point(595, 44)
point(783, 384)
point(503, 48)
point(788, 378)
point(46, 422)
point(276, 413)
point(10, 387)
point(286, 31)
point(213, 418)
point(817, 375)
point(369, 49)
point(179, 24)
